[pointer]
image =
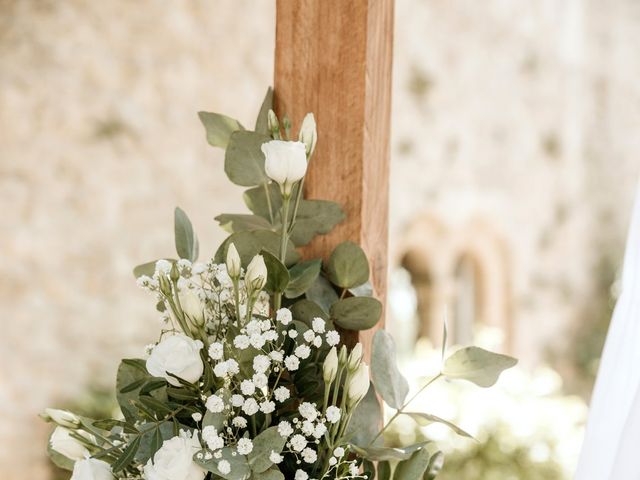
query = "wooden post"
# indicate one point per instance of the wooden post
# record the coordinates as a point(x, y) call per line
point(333, 58)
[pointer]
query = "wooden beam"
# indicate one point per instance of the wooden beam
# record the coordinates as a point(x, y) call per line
point(333, 58)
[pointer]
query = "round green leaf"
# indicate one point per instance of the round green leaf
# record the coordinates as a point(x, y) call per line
point(302, 276)
point(250, 243)
point(427, 419)
point(238, 223)
point(323, 293)
point(262, 125)
point(389, 382)
point(186, 240)
point(477, 365)
point(266, 442)
point(356, 313)
point(413, 468)
point(366, 420)
point(315, 217)
point(306, 310)
point(348, 266)
point(244, 160)
point(219, 128)
point(277, 273)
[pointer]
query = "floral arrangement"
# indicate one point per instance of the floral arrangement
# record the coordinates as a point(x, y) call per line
point(250, 377)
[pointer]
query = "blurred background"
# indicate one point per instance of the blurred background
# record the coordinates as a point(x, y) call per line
point(514, 143)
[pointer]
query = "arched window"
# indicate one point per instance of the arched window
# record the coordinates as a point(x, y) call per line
point(467, 300)
point(421, 280)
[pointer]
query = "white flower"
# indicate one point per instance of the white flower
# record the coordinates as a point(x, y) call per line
point(241, 342)
point(276, 356)
point(285, 429)
point(178, 355)
point(270, 335)
point(233, 261)
point(353, 469)
point(281, 394)
point(63, 443)
point(333, 414)
point(253, 327)
point(308, 411)
point(260, 380)
point(256, 275)
point(267, 406)
point(292, 363)
point(318, 325)
point(247, 387)
point(245, 446)
point(215, 404)
point(237, 400)
point(265, 325)
point(91, 469)
point(174, 460)
point(257, 341)
point(358, 385)
point(62, 417)
point(239, 422)
point(163, 266)
point(330, 366)
point(303, 351)
point(309, 335)
point(250, 406)
point(213, 440)
point(285, 162)
point(196, 416)
point(233, 367)
point(192, 306)
point(317, 342)
point(283, 315)
point(333, 338)
point(338, 452)
point(301, 475)
point(261, 363)
point(309, 455)
point(221, 369)
point(308, 134)
point(216, 351)
point(275, 457)
point(307, 428)
point(224, 467)
point(293, 333)
point(355, 357)
point(298, 442)
point(320, 430)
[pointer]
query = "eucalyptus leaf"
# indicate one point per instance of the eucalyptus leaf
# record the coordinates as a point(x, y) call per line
point(239, 466)
point(426, 419)
point(369, 469)
point(250, 243)
point(244, 160)
point(267, 441)
point(277, 273)
point(262, 125)
point(348, 266)
point(384, 471)
point(302, 275)
point(389, 382)
point(306, 310)
point(130, 373)
point(272, 474)
point(152, 439)
point(256, 200)
point(127, 455)
point(186, 240)
point(213, 419)
point(477, 365)
point(414, 467)
point(239, 222)
point(219, 128)
point(356, 313)
point(383, 453)
point(315, 217)
point(322, 292)
point(366, 420)
point(364, 290)
point(435, 466)
point(109, 424)
point(57, 458)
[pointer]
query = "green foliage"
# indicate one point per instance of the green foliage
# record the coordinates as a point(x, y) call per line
point(302, 277)
point(356, 313)
point(427, 418)
point(348, 266)
point(389, 382)
point(244, 160)
point(366, 421)
point(315, 217)
point(413, 468)
point(477, 365)
point(219, 128)
point(186, 240)
point(240, 222)
point(251, 243)
point(277, 273)
point(266, 442)
point(239, 466)
point(262, 125)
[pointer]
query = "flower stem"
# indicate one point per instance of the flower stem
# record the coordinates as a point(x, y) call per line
point(284, 238)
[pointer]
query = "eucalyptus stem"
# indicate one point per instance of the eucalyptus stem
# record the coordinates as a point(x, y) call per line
point(401, 409)
point(266, 193)
point(296, 205)
point(284, 238)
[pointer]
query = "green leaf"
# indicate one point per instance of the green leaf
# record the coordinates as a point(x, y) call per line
point(306, 311)
point(366, 420)
point(133, 386)
point(267, 441)
point(182, 394)
point(322, 292)
point(277, 273)
point(155, 405)
point(244, 160)
point(148, 268)
point(426, 419)
point(127, 455)
point(219, 128)
point(152, 439)
point(364, 290)
point(239, 223)
point(389, 382)
point(256, 200)
point(262, 126)
point(186, 240)
point(130, 372)
point(272, 474)
point(384, 453)
point(239, 466)
point(109, 423)
point(315, 217)
point(152, 385)
point(348, 266)
point(384, 471)
point(435, 466)
point(356, 313)
point(250, 243)
point(369, 469)
point(477, 365)
point(302, 275)
point(413, 468)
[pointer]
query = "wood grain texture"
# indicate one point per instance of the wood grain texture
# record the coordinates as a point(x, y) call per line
point(333, 58)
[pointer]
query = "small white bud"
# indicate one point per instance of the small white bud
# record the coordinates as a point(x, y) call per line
point(233, 261)
point(308, 134)
point(256, 276)
point(358, 386)
point(192, 307)
point(355, 357)
point(330, 367)
point(272, 121)
point(61, 417)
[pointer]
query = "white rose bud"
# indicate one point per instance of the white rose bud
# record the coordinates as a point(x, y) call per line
point(174, 460)
point(308, 134)
point(233, 261)
point(91, 469)
point(358, 385)
point(61, 417)
point(192, 307)
point(330, 367)
point(285, 163)
point(256, 276)
point(178, 355)
point(272, 121)
point(355, 357)
point(63, 443)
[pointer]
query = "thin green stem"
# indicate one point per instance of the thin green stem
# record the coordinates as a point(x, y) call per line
point(266, 192)
point(236, 295)
point(284, 238)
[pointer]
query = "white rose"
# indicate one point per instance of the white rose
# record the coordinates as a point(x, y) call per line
point(91, 469)
point(178, 355)
point(174, 460)
point(285, 162)
point(63, 443)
